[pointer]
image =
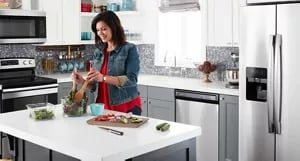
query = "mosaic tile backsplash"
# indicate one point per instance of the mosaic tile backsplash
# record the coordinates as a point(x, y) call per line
point(221, 56)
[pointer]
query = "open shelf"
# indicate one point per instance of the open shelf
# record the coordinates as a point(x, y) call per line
point(119, 13)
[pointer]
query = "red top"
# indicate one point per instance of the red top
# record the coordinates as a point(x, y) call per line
point(103, 96)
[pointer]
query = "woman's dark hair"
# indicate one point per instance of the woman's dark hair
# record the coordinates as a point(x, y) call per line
point(112, 20)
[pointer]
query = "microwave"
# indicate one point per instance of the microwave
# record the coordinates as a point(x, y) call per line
point(22, 26)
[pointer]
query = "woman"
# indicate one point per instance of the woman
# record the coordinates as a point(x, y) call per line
point(115, 66)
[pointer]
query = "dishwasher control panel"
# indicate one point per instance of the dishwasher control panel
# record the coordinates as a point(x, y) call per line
point(197, 96)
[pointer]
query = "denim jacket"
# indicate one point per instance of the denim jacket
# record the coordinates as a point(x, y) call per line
point(124, 63)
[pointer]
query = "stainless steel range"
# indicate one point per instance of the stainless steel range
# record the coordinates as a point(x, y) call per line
point(20, 86)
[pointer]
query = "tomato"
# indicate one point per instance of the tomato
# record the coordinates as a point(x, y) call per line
point(101, 118)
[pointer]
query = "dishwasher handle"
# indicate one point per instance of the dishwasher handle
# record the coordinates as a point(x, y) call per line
point(197, 96)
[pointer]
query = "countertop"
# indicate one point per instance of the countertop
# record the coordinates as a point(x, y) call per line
point(73, 136)
point(167, 82)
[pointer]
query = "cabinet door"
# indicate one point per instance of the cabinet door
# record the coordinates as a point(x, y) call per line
point(63, 90)
point(71, 21)
point(35, 152)
point(56, 156)
point(229, 128)
point(53, 11)
point(144, 106)
point(161, 103)
point(143, 90)
point(222, 23)
point(235, 22)
point(159, 109)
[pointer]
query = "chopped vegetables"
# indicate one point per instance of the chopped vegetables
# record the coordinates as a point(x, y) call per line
point(136, 120)
point(125, 119)
point(42, 114)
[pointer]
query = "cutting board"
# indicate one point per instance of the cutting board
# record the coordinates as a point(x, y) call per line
point(116, 124)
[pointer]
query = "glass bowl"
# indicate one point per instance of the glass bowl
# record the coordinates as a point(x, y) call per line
point(41, 111)
point(73, 109)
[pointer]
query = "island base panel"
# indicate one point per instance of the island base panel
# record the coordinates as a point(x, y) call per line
point(183, 151)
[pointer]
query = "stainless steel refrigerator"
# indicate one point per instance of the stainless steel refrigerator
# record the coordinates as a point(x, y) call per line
point(269, 102)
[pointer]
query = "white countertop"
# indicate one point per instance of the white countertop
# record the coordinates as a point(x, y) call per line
point(168, 82)
point(74, 137)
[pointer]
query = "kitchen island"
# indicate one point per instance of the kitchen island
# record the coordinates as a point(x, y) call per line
point(72, 136)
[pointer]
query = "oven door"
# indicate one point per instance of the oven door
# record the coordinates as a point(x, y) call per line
point(0, 112)
point(17, 99)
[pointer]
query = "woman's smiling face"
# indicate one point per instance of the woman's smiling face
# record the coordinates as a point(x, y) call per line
point(104, 31)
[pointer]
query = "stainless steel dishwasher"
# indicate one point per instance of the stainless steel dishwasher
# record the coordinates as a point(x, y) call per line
point(201, 109)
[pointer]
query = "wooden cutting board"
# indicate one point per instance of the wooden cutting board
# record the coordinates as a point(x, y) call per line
point(116, 124)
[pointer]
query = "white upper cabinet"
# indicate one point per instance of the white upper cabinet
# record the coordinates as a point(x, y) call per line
point(53, 11)
point(71, 21)
point(65, 21)
point(223, 21)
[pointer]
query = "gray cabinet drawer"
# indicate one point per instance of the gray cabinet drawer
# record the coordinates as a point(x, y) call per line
point(166, 94)
point(159, 109)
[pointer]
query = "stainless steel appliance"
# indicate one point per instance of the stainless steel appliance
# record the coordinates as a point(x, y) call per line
point(20, 86)
point(269, 82)
point(201, 109)
point(22, 26)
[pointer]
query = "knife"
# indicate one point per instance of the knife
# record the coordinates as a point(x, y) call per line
point(112, 131)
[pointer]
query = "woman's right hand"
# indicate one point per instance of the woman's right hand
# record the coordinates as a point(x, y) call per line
point(77, 77)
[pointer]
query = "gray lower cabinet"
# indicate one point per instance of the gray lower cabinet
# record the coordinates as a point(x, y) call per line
point(229, 128)
point(143, 90)
point(29, 151)
point(157, 102)
point(161, 103)
point(182, 151)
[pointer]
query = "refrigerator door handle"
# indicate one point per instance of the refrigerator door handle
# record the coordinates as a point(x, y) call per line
point(270, 84)
point(278, 84)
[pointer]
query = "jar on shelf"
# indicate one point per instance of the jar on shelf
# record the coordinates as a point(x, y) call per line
point(48, 63)
point(86, 5)
point(127, 5)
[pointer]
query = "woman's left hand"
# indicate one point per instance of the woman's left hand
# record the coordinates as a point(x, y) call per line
point(95, 75)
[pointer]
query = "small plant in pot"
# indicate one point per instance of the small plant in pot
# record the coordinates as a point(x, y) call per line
point(207, 67)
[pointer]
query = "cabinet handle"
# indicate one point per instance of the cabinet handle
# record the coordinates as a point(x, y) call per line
point(222, 98)
point(229, 43)
point(149, 102)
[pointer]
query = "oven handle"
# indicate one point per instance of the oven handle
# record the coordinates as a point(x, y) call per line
point(29, 88)
point(29, 91)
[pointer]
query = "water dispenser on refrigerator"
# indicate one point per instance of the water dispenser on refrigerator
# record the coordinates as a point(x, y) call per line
point(256, 84)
